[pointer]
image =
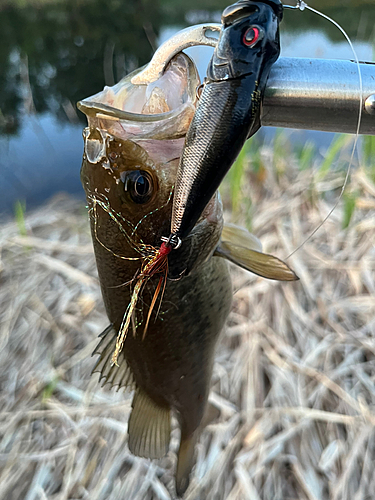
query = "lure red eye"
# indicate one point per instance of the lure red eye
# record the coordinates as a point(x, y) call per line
point(251, 36)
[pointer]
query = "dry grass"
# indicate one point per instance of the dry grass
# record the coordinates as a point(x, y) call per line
point(294, 373)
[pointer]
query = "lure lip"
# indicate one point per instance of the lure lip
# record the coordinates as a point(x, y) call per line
point(243, 8)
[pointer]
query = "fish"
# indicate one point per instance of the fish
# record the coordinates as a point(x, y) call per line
point(131, 154)
point(229, 107)
point(166, 316)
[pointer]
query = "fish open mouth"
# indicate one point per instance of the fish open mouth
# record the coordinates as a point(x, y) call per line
point(160, 110)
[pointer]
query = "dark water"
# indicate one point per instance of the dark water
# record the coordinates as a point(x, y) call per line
point(54, 55)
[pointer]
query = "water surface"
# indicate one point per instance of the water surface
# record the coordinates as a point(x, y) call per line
point(56, 54)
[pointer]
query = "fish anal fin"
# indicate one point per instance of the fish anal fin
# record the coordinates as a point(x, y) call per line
point(149, 427)
point(259, 263)
point(121, 375)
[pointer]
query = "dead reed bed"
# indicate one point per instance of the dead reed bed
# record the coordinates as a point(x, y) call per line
point(294, 375)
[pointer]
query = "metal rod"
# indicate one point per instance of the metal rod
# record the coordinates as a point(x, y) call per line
point(314, 94)
point(319, 94)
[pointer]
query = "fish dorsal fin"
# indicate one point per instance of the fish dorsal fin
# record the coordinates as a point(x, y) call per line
point(149, 427)
point(121, 375)
point(239, 246)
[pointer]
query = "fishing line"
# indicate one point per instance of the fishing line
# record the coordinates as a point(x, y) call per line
point(301, 5)
point(106, 207)
point(153, 211)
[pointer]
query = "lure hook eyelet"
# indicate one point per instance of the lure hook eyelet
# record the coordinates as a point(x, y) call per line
point(175, 241)
point(172, 240)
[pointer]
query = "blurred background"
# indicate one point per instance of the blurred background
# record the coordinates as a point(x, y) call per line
point(56, 52)
point(294, 373)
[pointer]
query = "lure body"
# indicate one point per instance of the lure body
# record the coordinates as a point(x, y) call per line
point(229, 107)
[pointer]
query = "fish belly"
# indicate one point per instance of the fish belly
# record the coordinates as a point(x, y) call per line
point(173, 364)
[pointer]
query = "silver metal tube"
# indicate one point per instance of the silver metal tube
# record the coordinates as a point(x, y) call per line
point(319, 94)
point(315, 94)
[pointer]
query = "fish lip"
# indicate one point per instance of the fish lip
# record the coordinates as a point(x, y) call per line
point(188, 37)
point(93, 109)
point(98, 109)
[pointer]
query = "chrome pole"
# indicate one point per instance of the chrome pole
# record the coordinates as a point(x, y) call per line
point(319, 94)
point(314, 94)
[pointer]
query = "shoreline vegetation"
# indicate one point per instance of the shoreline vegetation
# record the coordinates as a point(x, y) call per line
point(294, 371)
point(313, 3)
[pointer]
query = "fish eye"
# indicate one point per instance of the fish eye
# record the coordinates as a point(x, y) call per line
point(139, 184)
point(252, 35)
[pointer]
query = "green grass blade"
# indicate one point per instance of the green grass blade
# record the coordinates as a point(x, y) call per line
point(338, 143)
point(19, 213)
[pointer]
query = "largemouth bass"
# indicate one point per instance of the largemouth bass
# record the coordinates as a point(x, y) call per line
point(168, 328)
point(128, 178)
point(229, 106)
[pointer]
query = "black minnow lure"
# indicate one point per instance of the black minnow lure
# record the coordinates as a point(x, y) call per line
point(229, 106)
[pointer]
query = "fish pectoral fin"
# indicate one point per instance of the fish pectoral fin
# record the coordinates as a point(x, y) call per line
point(121, 375)
point(259, 263)
point(149, 427)
point(236, 235)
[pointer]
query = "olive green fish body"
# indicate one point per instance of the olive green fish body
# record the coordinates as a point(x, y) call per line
point(171, 365)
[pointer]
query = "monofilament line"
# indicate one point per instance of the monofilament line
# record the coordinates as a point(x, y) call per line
point(302, 6)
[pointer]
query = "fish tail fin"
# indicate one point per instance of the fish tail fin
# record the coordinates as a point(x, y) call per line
point(185, 462)
point(186, 458)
